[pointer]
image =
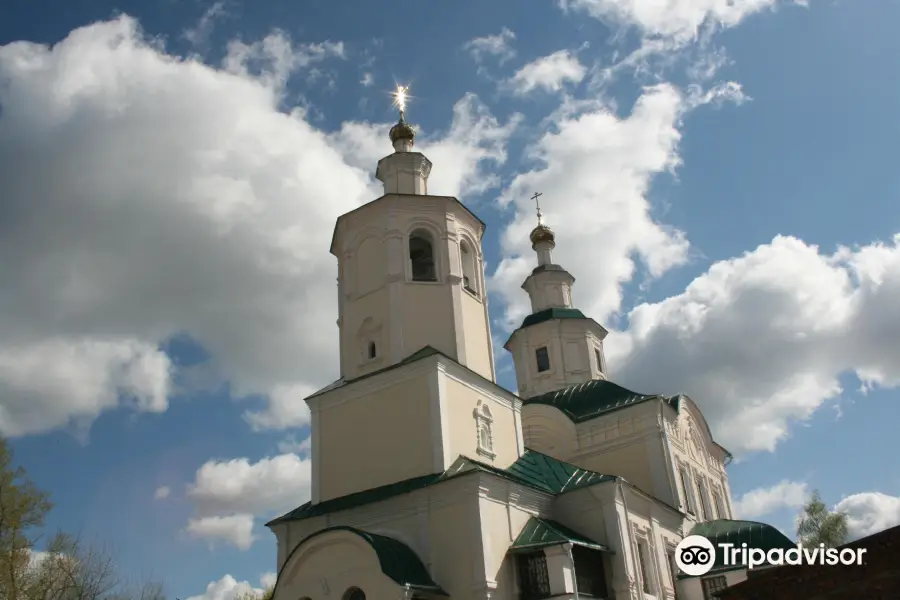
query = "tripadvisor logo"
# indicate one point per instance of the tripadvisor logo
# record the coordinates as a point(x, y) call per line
point(696, 555)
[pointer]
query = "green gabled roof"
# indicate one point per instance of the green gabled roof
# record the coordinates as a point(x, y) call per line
point(397, 560)
point(727, 531)
point(539, 533)
point(551, 475)
point(585, 401)
point(533, 469)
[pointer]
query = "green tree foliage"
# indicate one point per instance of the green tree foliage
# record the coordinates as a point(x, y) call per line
point(67, 568)
point(818, 525)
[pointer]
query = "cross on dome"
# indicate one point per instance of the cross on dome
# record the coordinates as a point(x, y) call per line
point(402, 135)
point(541, 233)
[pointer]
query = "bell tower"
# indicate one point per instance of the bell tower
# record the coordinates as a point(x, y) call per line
point(410, 271)
point(557, 345)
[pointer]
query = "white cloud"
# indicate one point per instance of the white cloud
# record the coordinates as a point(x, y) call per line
point(498, 46)
point(677, 19)
point(595, 170)
point(270, 485)
point(268, 580)
point(870, 512)
point(54, 381)
point(234, 529)
point(162, 493)
point(290, 445)
point(672, 33)
point(229, 494)
point(549, 73)
point(759, 341)
point(228, 588)
point(462, 156)
point(198, 35)
point(763, 501)
point(274, 58)
point(367, 80)
point(177, 198)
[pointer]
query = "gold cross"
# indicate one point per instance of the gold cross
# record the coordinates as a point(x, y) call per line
point(538, 204)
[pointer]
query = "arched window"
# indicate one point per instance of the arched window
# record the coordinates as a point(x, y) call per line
point(421, 256)
point(354, 594)
point(467, 257)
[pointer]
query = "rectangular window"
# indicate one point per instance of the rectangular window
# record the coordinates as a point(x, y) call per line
point(688, 491)
point(599, 360)
point(644, 566)
point(673, 571)
point(534, 581)
point(590, 577)
point(543, 359)
point(720, 506)
point(711, 585)
point(704, 498)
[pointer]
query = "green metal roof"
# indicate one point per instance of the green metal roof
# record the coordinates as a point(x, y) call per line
point(551, 475)
point(727, 531)
point(370, 496)
point(584, 401)
point(533, 469)
point(539, 533)
point(548, 314)
point(551, 313)
point(397, 560)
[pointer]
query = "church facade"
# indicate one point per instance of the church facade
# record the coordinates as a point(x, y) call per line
point(430, 480)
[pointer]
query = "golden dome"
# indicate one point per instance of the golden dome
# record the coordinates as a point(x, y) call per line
point(401, 131)
point(542, 233)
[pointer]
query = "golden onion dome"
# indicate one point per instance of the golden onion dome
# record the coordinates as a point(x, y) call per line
point(542, 233)
point(401, 131)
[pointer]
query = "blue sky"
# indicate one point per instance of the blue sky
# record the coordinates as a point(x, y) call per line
point(720, 176)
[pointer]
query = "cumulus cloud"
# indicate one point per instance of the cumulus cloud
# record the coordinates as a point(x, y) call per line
point(463, 156)
point(678, 19)
point(673, 33)
point(764, 501)
point(228, 588)
point(759, 341)
point(175, 198)
point(270, 485)
point(548, 73)
point(498, 46)
point(227, 495)
point(869, 512)
point(595, 169)
point(234, 529)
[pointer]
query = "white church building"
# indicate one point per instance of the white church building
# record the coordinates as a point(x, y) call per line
point(430, 480)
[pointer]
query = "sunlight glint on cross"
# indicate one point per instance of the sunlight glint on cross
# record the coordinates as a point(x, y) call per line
point(400, 98)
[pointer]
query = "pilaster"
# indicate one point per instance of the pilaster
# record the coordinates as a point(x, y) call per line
point(560, 569)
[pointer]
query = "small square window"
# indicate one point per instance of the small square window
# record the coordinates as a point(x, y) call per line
point(543, 359)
